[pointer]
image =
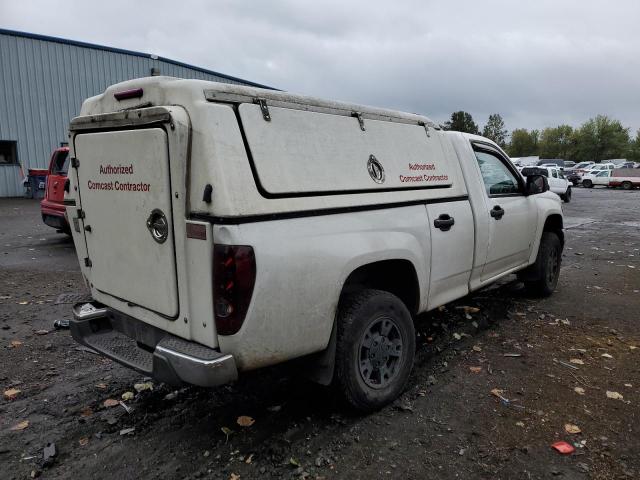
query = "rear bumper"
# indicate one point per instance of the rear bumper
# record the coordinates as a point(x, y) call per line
point(149, 350)
point(54, 214)
point(55, 221)
point(52, 208)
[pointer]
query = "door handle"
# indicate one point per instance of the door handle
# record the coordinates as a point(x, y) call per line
point(497, 212)
point(444, 222)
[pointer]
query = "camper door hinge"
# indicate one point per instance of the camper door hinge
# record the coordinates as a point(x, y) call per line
point(87, 262)
point(75, 163)
point(426, 127)
point(81, 213)
point(263, 108)
point(358, 115)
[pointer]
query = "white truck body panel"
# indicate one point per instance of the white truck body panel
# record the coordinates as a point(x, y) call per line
point(292, 314)
point(452, 254)
point(290, 177)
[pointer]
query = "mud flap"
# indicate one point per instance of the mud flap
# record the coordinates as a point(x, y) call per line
point(320, 366)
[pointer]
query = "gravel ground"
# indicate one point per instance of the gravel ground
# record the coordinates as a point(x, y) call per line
point(553, 361)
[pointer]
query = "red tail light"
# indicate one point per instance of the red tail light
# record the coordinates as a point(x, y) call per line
point(234, 275)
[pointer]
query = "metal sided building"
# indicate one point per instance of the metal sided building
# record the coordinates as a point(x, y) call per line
point(43, 82)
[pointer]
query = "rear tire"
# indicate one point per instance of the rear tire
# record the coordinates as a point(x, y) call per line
point(567, 195)
point(587, 183)
point(375, 349)
point(546, 267)
point(626, 185)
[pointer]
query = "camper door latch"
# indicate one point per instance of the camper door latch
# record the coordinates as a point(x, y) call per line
point(206, 195)
point(87, 262)
point(358, 115)
point(75, 163)
point(263, 108)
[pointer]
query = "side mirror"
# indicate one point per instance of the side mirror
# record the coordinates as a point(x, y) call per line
point(536, 184)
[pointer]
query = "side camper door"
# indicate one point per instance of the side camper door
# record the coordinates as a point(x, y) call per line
point(309, 153)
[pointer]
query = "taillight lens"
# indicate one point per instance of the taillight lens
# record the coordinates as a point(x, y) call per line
point(234, 275)
point(125, 94)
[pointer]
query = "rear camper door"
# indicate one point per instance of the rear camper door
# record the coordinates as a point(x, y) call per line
point(311, 153)
point(125, 190)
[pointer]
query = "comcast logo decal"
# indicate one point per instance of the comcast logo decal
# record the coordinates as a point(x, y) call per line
point(375, 169)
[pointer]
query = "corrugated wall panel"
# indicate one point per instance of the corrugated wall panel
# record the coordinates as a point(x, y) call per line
point(43, 83)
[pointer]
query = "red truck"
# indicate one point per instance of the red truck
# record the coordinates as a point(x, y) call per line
point(52, 206)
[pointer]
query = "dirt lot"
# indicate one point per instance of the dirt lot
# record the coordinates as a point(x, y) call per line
point(554, 361)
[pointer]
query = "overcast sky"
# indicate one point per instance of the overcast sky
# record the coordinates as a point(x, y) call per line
point(536, 63)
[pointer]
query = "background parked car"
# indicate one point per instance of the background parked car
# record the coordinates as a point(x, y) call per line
point(52, 206)
point(625, 178)
point(596, 177)
point(551, 162)
point(558, 184)
point(590, 174)
point(583, 165)
point(627, 165)
point(574, 174)
point(618, 162)
point(619, 177)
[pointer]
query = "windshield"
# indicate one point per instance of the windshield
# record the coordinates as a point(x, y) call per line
point(61, 163)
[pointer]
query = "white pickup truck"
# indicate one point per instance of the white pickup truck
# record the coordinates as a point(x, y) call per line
point(223, 228)
point(558, 183)
point(627, 178)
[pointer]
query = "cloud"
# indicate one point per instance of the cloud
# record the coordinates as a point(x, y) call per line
point(538, 64)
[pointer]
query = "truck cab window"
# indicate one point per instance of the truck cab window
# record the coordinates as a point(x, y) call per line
point(498, 179)
point(61, 164)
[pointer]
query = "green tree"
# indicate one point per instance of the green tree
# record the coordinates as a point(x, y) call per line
point(494, 129)
point(601, 138)
point(557, 142)
point(462, 122)
point(633, 153)
point(523, 143)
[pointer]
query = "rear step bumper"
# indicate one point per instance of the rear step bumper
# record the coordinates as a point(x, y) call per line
point(127, 341)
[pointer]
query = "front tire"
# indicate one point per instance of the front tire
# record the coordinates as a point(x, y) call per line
point(547, 267)
point(375, 349)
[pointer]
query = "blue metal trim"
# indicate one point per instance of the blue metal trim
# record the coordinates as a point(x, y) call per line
point(76, 43)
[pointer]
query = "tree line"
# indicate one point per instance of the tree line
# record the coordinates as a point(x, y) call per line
point(597, 139)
